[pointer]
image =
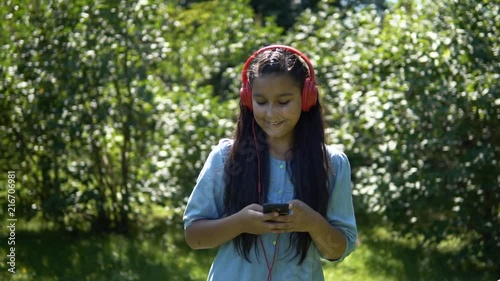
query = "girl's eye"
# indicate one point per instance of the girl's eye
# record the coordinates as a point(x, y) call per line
point(280, 103)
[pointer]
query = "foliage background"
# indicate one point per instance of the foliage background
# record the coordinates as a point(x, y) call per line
point(109, 109)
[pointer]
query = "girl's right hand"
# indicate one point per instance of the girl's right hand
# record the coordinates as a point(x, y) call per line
point(254, 221)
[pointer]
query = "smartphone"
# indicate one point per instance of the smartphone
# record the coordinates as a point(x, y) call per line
point(282, 209)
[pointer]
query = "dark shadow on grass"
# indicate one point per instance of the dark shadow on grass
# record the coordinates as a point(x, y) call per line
point(156, 254)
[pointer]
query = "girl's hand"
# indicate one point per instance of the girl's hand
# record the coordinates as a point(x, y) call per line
point(301, 219)
point(254, 221)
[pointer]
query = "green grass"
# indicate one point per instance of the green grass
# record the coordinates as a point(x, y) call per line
point(384, 257)
point(158, 252)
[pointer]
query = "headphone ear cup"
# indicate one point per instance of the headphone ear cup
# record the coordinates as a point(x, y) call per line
point(309, 95)
point(246, 96)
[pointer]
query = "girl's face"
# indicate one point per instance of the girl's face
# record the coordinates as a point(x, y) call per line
point(276, 105)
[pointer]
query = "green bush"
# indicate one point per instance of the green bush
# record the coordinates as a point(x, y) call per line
point(413, 96)
point(110, 106)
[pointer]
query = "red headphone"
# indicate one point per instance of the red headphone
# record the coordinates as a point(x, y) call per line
point(309, 91)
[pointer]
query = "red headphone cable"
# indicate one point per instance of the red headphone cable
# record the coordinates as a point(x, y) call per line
point(269, 268)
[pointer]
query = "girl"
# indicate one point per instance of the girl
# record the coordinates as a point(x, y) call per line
point(278, 155)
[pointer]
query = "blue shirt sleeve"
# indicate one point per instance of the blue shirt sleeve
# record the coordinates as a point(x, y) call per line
point(206, 199)
point(340, 212)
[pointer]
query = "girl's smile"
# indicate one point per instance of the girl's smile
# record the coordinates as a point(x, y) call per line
point(275, 124)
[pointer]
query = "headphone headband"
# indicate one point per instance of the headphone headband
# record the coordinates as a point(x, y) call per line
point(244, 73)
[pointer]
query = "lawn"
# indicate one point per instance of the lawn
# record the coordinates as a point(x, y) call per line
point(158, 252)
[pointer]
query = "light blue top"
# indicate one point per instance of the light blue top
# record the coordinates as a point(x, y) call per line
point(206, 202)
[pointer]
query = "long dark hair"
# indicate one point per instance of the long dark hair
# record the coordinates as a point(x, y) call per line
point(309, 163)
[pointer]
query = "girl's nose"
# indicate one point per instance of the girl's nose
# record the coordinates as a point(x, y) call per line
point(271, 111)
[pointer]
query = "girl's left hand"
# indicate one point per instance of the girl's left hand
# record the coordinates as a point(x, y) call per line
point(301, 218)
